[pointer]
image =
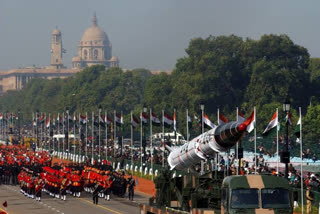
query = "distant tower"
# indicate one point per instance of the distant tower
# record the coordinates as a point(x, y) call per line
point(56, 49)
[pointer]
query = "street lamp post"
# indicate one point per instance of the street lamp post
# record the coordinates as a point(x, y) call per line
point(202, 131)
point(286, 154)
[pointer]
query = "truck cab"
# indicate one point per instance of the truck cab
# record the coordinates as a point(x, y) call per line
point(256, 194)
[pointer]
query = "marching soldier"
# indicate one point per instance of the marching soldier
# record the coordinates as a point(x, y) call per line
point(38, 188)
point(131, 185)
point(63, 189)
point(95, 194)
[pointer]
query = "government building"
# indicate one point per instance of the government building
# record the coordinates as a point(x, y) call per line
point(94, 49)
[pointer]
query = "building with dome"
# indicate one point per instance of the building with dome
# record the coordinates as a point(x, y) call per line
point(94, 48)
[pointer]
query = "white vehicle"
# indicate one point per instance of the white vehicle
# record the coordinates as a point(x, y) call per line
point(175, 138)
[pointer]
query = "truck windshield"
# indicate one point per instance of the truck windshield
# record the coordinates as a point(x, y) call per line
point(275, 198)
point(245, 198)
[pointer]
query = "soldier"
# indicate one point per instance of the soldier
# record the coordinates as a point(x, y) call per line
point(131, 185)
point(95, 194)
point(38, 188)
point(63, 189)
point(309, 197)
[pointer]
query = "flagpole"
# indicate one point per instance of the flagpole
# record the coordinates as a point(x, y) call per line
point(301, 177)
point(141, 140)
point(92, 140)
point(99, 134)
point(50, 132)
point(187, 125)
point(114, 133)
point(41, 132)
point(237, 145)
point(151, 149)
point(277, 143)
point(58, 140)
point(74, 135)
point(255, 142)
point(175, 125)
point(131, 138)
point(79, 137)
point(68, 133)
point(63, 141)
point(202, 131)
point(163, 138)
point(106, 122)
point(121, 129)
point(86, 149)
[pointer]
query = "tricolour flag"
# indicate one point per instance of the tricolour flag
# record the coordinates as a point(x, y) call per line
point(167, 120)
point(83, 119)
point(144, 117)
point(250, 122)
point(222, 119)
point(289, 119)
point(197, 119)
point(119, 119)
point(155, 120)
point(75, 119)
point(297, 128)
point(48, 122)
point(272, 124)
point(54, 120)
point(42, 118)
point(135, 121)
point(207, 121)
point(34, 122)
point(101, 121)
point(107, 119)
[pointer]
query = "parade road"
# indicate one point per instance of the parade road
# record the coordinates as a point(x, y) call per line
point(20, 204)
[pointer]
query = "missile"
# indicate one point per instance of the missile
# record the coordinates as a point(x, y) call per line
point(206, 145)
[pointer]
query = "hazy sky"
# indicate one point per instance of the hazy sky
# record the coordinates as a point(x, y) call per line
point(147, 33)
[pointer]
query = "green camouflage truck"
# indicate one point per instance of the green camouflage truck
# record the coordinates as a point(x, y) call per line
point(209, 194)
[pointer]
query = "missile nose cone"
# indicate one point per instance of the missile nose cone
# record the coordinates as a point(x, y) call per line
point(242, 127)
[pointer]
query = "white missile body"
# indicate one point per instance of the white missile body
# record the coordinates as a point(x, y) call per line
point(206, 145)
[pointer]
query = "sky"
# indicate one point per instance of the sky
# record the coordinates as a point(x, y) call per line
point(150, 34)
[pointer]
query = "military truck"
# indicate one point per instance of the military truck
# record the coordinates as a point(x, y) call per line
point(211, 193)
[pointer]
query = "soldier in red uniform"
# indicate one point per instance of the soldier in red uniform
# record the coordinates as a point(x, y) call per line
point(38, 187)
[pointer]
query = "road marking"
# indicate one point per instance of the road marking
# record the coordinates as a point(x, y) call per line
point(106, 208)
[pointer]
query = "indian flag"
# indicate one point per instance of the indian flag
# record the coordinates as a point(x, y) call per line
point(222, 119)
point(289, 119)
point(48, 122)
point(250, 122)
point(272, 124)
point(297, 128)
point(134, 121)
point(208, 122)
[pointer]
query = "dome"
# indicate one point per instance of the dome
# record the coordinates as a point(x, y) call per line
point(94, 33)
point(56, 32)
